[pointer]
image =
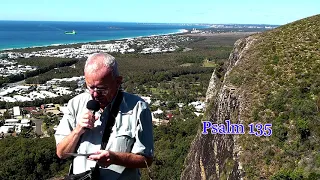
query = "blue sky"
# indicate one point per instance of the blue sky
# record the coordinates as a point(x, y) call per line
point(164, 11)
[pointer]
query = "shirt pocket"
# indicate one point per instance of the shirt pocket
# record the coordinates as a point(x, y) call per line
point(124, 141)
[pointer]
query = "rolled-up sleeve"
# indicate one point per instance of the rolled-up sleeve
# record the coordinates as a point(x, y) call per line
point(144, 144)
point(66, 124)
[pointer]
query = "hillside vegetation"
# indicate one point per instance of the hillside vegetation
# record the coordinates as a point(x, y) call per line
point(279, 77)
point(27, 158)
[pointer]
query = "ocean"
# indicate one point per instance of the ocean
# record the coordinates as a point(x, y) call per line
point(22, 34)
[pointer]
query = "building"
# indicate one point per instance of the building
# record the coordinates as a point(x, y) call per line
point(16, 125)
point(16, 111)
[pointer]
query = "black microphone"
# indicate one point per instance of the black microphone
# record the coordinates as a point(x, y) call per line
point(93, 106)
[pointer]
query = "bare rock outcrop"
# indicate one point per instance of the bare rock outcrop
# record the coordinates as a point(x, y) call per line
point(216, 156)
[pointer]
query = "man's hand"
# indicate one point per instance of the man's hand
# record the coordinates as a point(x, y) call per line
point(86, 122)
point(68, 144)
point(104, 158)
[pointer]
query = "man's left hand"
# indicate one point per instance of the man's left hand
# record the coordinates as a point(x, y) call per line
point(104, 158)
point(130, 160)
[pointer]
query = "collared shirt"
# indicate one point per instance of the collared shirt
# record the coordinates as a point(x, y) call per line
point(132, 133)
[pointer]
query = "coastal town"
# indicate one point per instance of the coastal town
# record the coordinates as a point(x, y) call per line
point(17, 117)
point(11, 67)
point(143, 45)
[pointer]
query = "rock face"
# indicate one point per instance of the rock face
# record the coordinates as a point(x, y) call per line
point(217, 156)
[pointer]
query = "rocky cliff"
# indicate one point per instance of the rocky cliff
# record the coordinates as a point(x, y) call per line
point(271, 78)
point(217, 156)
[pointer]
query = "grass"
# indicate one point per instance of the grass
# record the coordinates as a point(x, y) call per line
point(209, 64)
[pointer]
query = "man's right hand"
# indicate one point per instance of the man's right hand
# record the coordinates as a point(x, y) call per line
point(68, 144)
point(86, 122)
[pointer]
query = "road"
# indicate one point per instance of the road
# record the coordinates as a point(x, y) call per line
point(19, 83)
point(38, 124)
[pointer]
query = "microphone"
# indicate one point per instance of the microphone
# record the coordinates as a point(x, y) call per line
point(93, 106)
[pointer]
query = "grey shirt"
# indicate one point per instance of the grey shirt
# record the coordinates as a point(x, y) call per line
point(132, 132)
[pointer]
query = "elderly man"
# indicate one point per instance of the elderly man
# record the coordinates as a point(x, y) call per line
point(130, 145)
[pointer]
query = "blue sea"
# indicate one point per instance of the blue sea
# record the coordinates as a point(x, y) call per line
point(22, 34)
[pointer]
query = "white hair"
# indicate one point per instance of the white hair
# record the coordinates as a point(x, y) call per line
point(108, 61)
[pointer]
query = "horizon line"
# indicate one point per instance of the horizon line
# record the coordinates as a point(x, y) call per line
point(145, 22)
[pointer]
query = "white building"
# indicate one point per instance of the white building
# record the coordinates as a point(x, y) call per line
point(6, 129)
point(198, 105)
point(14, 125)
point(16, 111)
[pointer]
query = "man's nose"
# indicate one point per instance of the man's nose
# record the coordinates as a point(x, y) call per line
point(95, 94)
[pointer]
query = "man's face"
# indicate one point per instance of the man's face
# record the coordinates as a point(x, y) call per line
point(102, 86)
